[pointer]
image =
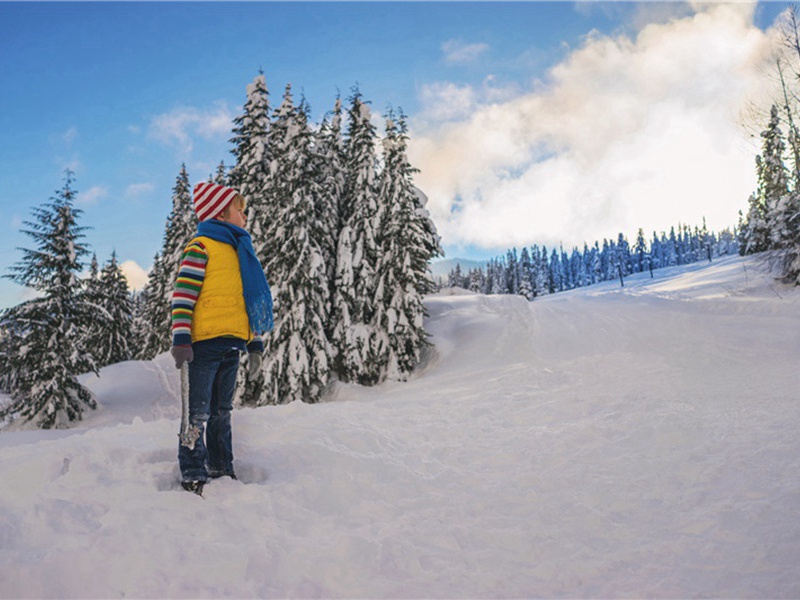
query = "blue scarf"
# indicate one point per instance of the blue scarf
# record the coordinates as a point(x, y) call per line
point(257, 295)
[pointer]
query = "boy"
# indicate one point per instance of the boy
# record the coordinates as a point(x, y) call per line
point(220, 306)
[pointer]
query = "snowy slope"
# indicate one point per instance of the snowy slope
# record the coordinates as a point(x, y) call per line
point(604, 442)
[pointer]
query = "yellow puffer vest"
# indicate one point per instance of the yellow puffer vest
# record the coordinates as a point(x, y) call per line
point(220, 309)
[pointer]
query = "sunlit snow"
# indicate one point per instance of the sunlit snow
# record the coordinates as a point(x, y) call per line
point(606, 442)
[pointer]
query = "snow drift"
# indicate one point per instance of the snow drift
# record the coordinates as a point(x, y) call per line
point(605, 442)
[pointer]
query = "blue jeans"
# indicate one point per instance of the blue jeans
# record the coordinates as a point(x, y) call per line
point(212, 381)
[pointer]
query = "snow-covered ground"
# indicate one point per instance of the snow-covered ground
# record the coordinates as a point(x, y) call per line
point(606, 442)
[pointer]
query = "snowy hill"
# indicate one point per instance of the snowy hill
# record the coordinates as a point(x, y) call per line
point(606, 442)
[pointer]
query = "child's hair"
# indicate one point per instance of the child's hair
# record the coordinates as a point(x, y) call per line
point(237, 202)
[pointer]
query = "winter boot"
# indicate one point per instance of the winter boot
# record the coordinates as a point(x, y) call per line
point(193, 486)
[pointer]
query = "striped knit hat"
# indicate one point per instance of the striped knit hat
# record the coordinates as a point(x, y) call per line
point(211, 199)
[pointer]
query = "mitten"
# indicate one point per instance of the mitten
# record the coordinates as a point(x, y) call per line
point(254, 362)
point(182, 354)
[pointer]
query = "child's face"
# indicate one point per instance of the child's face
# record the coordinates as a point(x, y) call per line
point(234, 215)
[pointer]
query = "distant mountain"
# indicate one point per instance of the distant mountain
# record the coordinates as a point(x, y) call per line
point(441, 268)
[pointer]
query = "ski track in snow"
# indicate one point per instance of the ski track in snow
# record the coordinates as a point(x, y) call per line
point(603, 442)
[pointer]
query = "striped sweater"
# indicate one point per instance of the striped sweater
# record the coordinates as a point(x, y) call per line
point(191, 274)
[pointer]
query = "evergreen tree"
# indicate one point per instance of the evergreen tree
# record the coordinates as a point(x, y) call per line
point(297, 354)
point(94, 294)
point(250, 173)
point(640, 252)
point(355, 337)
point(181, 226)
point(113, 343)
point(543, 274)
point(556, 283)
point(525, 274)
point(48, 354)
point(476, 281)
point(221, 176)
point(455, 278)
point(499, 278)
point(403, 268)
point(330, 155)
point(148, 311)
point(773, 182)
point(624, 255)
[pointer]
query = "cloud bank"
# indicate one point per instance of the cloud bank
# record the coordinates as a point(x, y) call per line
point(624, 133)
point(179, 127)
point(456, 51)
point(136, 275)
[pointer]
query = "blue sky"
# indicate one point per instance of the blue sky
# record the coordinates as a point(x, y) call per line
point(123, 93)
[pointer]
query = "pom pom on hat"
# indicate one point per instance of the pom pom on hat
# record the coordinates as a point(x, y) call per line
point(210, 199)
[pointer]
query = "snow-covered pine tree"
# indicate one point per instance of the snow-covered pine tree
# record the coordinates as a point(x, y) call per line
point(556, 273)
point(221, 175)
point(782, 203)
point(113, 344)
point(12, 336)
point(404, 264)
point(149, 338)
point(250, 174)
point(763, 218)
point(297, 354)
point(543, 274)
point(671, 254)
point(640, 252)
point(330, 156)
point(624, 255)
point(93, 293)
point(181, 226)
point(49, 329)
point(455, 278)
point(512, 272)
point(498, 277)
point(525, 274)
point(476, 281)
point(355, 339)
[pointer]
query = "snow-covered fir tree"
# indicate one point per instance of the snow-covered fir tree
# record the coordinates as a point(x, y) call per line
point(250, 173)
point(564, 271)
point(542, 286)
point(772, 185)
point(47, 332)
point(476, 281)
point(525, 274)
point(113, 342)
point(403, 275)
point(297, 354)
point(94, 294)
point(181, 226)
point(358, 355)
point(148, 310)
point(330, 155)
point(220, 176)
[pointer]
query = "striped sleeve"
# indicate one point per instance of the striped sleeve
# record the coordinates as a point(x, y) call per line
point(191, 273)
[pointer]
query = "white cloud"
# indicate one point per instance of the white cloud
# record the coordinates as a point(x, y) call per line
point(456, 51)
point(69, 136)
point(138, 189)
point(625, 133)
point(136, 275)
point(179, 127)
point(92, 195)
point(447, 101)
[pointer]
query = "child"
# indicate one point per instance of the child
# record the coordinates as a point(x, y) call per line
point(220, 306)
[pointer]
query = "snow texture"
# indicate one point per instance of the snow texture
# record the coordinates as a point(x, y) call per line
point(604, 442)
